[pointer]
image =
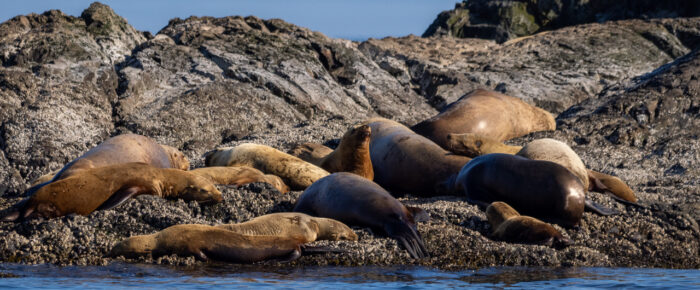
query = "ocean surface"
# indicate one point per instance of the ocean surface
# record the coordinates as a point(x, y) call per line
point(120, 275)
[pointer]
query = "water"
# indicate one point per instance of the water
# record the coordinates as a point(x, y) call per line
point(149, 276)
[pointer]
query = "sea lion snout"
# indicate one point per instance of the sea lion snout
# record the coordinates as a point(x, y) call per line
point(364, 131)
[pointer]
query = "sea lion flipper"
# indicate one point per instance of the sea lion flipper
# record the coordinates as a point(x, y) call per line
point(599, 209)
point(309, 250)
point(19, 211)
point(408, 238)
point(119, 197)
point(419, 215)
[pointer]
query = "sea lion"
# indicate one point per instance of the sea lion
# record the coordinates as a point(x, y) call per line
point(473, 145)
point(287, 224)
point(311, 152)
point(405, 162)
point(352, 154)
point(240, 175)
point(121, 149)
point(296, 173)
point(542, 189)
point(108, 186)
point(206, 242)
point(354, 200)
point(508, 225)
point(487, 113)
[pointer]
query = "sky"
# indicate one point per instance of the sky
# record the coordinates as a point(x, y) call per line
point(350, 19)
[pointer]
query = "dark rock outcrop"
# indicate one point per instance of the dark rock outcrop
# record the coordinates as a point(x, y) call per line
point(501, 20)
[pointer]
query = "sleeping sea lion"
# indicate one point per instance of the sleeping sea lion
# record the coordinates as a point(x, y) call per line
point(287, 224)
point(240, 175)
point(542, 189)
point(121, 149)
point(508, 225)
point(108, 186)
point(405, 162)
point(352, 154)
point(473, 145)
point(296, 173)
point(354, 200)
point(489, 114)
point(206, 242)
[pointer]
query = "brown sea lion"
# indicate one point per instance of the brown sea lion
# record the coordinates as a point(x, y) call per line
point(473, 145)
point(119, 150)
point(208, 242)
point(287, 224)
point(311, 152)
point(352, 154)
point(508, 225)
point(405, 162)
point(240, 175)
point(489, 114)
point(108, 186)
point(542, 189)
point(296, 173)
point(355, 200)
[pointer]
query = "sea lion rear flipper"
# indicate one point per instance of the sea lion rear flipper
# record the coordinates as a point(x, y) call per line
point(419, 215)
point(408, 238)
point(599, 209)
point(119, 197)
point(18, 211)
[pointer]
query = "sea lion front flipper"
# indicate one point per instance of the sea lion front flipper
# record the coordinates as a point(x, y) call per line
point(599, 209)
point(408, 238)
point(120, 196)
point(19, 211)
point(419, 215)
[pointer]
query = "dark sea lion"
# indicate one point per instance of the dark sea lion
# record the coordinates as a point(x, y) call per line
point(508, 225)
point(240, 175)
point(352, 154)
point(405, 162)
point(296, 173)
point(288, 224)
point(208, 242)
point(355, 200)
point(108, 186)
point(121, 149)
point(537, 188)
point(489, 114)
point(473, 145)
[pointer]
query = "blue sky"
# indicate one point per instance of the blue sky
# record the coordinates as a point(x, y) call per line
point(351, 19)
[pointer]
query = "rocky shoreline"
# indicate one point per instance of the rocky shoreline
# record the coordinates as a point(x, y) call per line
point(626, 96)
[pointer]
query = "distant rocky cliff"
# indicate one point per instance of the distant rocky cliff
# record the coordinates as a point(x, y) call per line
point(626, 95)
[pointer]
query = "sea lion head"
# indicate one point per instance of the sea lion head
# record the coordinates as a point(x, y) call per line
point(498, 212)
point(333, 230)
point(200, 189)
point(362, 133)
point(178, 159)
point(468, 144)
point(134, 246)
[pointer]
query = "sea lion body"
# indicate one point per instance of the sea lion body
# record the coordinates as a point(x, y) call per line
point(486, 113)
point(355, 200)
point(108, 186)
point(558, 152)
point(296, 173)
point(508, 225)
point(294, 224)
point(311, 152)
point(352, 154)
point(537, 188)
point(240, 175)
point(405, 162)
point(208, 242)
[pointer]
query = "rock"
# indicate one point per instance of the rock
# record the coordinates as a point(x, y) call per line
point(502, 20)
point(553, 70)
point(57, 85)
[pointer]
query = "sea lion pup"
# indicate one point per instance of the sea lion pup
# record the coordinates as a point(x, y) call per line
point(405, 162)
point(489, 114)
point(286, 224)
point(206, 242)
point(352, 154)
point(119, 150)
point(354, 200)
point(296, 173)
point(473, 145)
point(508, 225)
point(240, 175)
point(542, 189)
point(108, 186)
